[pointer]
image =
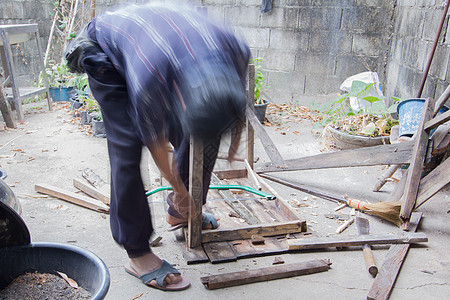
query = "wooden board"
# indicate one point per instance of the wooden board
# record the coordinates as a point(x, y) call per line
point(72, 197)
point(98, 194)
point(384, 282)
point(368, 156)
point(433, 182)
point(359, 240)
point(219, 252)
point(264, 274)
point(196, 192)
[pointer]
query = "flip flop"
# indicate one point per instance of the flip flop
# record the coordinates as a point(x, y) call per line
point(159, 275)
point(207, 219)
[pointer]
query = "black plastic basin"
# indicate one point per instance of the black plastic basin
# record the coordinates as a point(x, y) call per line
point(88, 270)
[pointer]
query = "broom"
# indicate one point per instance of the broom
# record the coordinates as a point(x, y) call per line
point(389, 211)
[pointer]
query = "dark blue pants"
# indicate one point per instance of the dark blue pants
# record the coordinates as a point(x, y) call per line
point(130, 217)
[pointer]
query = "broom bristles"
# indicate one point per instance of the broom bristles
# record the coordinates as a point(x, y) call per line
point(389, 211)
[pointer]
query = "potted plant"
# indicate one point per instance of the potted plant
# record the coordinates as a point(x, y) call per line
point(62, 81)
point(260, 103)
point(369, 125)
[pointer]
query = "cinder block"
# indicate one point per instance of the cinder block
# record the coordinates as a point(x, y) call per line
point(277, 60)
point(320, 18)
point(242, 16)
point(425, 3)
point(13, 10)
point(440, 63)
point(411, 23)
point(349, 65)
point(315, 63)
point(217, 2)
point(406, 3)
point(367, 44)
point(242, 2)
point(330, 41)
point(431, 20)
point(324, 84)
point(289, 40)
point(282, 82)
point(217, 13)
point(365, 19)
point(256, 37)
point(281, 17)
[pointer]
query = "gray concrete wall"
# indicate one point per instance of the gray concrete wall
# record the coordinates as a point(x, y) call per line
point(415, 28)
point(309, 47)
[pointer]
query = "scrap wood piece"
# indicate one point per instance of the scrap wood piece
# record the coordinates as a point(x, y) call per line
point(238, 207)
point(359, 240)
point(384, 282)
point(257, 240)
point(442, 100)
point(264, 274)
point(268, 145)
point(248, 231)
point(368, 156)
point(231, 174)
point(345, 225)
point(416, 165)
point(193, 255)
point(252, 174)
point(438, 120)
point(71, 197)
point(91, 191)
point(219, 252)
point(433, 182)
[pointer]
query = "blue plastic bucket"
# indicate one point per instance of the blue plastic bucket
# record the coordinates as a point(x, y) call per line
point(59, 94)
point(409, 114)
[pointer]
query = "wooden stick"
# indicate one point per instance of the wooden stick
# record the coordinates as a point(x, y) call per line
point(344, 226)
point(264, 274)
point(360, 240)
point(6, 110)
point(72, 197)
point(252, 175)
point(91, 191)
point(196, 190)
point(436, 121)
point(384, 282)
point(382, 180)
point(250, 132)
point(416, 165)
point(441, 101)
point(247, 232)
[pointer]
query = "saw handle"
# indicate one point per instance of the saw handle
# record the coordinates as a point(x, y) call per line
point(370, 261)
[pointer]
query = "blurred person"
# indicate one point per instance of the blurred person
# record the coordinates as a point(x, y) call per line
point(160, 74)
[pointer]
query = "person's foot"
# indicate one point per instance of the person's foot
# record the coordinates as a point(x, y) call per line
point(182, 222)
point(148, 263)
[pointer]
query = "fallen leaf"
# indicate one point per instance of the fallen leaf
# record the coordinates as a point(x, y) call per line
point(296, 132)
point(70, 281)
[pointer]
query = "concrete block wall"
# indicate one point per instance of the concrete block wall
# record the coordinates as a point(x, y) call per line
point(415, 29)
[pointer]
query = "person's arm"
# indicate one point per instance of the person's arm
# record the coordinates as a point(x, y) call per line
point(168, 169)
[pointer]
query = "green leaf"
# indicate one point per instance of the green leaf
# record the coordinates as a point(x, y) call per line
point(373, 99)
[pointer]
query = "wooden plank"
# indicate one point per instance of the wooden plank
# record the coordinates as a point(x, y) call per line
point(433, 182)
point(438, 120)
point(6, 110)
point(264, 274)
point(231, 174)
point(237, 206)
point(250, 132)
point(268, 145)
point(384, 282)
point(367, 156)
point(248, 231)
point(442, 100)
point(219, 252)
point(193, 255)
point(91, 191)
point(196, 190)
point(252, 175)
point(359, 240)
point(416, 165)
point(72, 197)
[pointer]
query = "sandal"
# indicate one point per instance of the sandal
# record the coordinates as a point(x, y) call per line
point(159, 275)
point(207, 219)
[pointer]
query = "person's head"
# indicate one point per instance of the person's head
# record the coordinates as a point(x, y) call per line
point(213, 98)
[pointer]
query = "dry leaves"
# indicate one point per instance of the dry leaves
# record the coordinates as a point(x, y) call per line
point(70, 281)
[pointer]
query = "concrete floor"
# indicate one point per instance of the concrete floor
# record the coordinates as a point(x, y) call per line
point(50, 148)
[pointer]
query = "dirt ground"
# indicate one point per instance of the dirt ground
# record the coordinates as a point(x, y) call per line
point(51, 148)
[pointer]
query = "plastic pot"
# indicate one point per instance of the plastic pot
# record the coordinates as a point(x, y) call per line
point(59, 94)
point(260, 111)
point(98, 128)
point(89, 271)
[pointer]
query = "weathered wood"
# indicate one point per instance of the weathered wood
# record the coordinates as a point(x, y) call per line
point(442, 100)
point(237, 206)
point(250, 132)
point(6, 110)
point(91, 191)
point(264, 274)
point(268, 145)
point(433, 182)
point(360, 240)
point(417, 161)
point(438, 120)
point(252, 175)
point(231, 174)
point(387, 174)
point(248, 231)
point(72, 197)
point(367, 156)
point(219, 252)
point(384, 282)
point(193, 255)
point(196, 191)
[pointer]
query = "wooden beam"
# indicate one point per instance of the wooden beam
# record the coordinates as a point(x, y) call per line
point(264, 274)
point(72, 197)
point(359, 240)
point(433, 182)
point(250, 132)
point(442, 100)
point(235, 204)
point(246, 232)
point(384, 282)
point(92, 191)
point(196, 191)
point(231, 174)
point(416, 165)
point(367, 156)
point(438, 120)
point(268, 145)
